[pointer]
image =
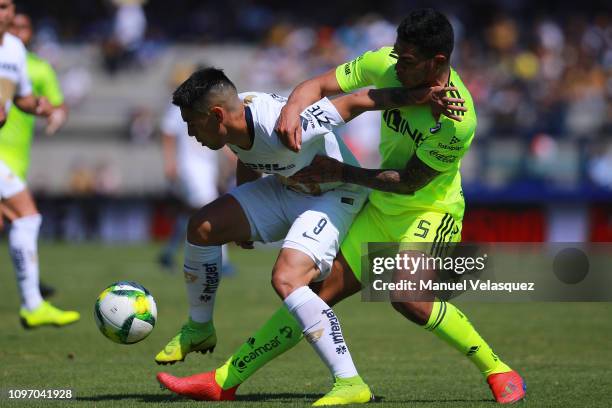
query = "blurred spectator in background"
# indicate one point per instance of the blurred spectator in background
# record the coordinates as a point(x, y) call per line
point(191, 169)
point(128, 34)
point(141, 125)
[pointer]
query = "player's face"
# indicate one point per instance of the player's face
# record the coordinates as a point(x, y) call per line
point(204, 127)
point(412, 68)
point(7, 12)
point(22, 28)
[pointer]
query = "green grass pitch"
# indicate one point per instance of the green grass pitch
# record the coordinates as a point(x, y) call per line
point(563, 350)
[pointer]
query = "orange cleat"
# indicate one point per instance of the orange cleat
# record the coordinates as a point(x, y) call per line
point(507, 388)
point(202, 387)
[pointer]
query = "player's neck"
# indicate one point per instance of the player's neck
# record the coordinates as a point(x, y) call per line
point(444, 77)
point(238, 131)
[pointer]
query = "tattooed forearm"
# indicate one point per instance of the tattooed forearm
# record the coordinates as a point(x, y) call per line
point(391, 97)
point(415, 176)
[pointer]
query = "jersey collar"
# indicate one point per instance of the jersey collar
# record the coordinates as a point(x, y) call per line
point(248, 115)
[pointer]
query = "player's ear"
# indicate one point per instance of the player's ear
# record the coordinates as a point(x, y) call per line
point(440, 60)
point(218, 113)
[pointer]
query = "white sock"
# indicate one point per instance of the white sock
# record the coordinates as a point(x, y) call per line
point(322, 330)
point(23, 247)
point(202, 271)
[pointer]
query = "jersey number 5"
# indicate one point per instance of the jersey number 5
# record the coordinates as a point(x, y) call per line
point(423, 228)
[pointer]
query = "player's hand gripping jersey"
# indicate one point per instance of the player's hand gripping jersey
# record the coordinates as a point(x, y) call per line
point(413, 130)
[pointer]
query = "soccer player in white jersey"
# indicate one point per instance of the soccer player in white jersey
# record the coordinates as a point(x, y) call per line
point(15, 88)
point(311, 220)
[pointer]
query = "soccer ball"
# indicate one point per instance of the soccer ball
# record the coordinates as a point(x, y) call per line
point(125, 312)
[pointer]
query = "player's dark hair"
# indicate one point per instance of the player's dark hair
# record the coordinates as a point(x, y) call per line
point(192, 93)
point(429, 31)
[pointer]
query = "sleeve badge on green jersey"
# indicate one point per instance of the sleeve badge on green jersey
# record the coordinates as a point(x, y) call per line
point(435, 129)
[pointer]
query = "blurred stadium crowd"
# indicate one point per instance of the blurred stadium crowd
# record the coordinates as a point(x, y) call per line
point(539, 74)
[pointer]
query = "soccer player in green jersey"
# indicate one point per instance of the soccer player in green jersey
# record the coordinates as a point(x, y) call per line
point(417, 197)
point(15, 139)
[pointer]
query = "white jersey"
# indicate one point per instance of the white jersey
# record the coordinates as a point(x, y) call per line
point(14, 80)
point(268, 154)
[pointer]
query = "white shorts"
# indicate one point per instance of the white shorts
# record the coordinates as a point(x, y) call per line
point(314, 225)
point(197, 184)
point(10, 183)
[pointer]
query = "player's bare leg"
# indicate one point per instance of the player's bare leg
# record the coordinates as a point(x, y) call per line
point(23, 246)
point(215, 224)
point(20, 205)
point(7, 213)
point(339, 285)
point(414, 305)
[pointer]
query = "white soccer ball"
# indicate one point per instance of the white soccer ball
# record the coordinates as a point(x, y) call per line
point(125, 312)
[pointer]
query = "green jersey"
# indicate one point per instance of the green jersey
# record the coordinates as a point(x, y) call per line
point(413, 130)
point(16, 134)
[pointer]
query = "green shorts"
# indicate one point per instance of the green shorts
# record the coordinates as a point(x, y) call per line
point(372, 225)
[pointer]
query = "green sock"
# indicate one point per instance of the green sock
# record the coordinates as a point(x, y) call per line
point(280, 333)
point(448, 323)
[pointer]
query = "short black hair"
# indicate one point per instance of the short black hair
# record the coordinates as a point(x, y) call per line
point(191, 93)
point(429, 31)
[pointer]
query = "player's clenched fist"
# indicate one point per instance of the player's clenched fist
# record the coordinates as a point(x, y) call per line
point(43, 107)
point(288, 127)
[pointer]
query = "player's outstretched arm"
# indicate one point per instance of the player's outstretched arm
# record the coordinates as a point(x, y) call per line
point(56, 115)
point(288, 124)
point(350, 106)
point(413, 177)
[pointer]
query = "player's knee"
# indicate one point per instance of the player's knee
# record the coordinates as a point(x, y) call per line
point(285, 279)
point(282, 282)
point(292, 270)
point(417, 312)
point(280, 285)
point(198, 230)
